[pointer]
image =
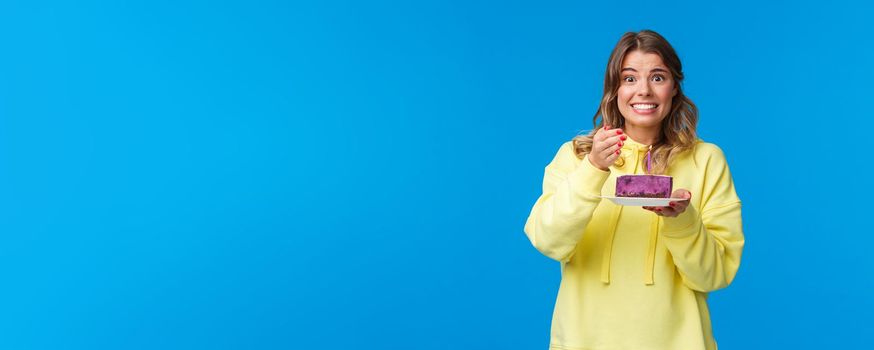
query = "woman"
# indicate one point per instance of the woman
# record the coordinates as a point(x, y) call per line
point(632, 277)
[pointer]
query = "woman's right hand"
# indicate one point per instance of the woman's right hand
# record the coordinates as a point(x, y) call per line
point(606, 146)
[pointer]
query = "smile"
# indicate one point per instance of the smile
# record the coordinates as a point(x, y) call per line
point(643, 106)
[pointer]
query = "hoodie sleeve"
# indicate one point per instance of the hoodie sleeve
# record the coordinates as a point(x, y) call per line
point(570, 195)
point(706, 244)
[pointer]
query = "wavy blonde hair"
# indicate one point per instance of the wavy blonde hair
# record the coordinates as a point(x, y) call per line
point(678, 129)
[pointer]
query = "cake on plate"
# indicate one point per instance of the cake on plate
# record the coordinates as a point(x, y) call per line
point(644, 186)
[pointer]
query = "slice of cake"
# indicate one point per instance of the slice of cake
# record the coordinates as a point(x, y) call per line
point(648, 186)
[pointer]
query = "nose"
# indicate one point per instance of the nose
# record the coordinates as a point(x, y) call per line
point(644, 89)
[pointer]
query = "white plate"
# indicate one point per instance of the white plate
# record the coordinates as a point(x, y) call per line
point(640, 202)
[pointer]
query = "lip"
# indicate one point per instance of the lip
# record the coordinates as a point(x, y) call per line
point(644, 111)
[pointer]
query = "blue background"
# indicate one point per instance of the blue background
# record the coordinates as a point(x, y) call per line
point(328, 174)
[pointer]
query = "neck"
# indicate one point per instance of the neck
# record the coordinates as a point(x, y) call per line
point(646, 136)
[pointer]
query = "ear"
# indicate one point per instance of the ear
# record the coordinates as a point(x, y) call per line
point(675, 91)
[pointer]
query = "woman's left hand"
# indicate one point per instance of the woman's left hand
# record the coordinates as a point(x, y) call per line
point(674, 208)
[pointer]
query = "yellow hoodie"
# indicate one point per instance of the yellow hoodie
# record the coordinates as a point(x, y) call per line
point(632, 279)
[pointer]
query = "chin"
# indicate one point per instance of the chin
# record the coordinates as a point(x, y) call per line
point(644, 121)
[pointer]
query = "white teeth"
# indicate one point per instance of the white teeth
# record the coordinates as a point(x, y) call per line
point(643, 106)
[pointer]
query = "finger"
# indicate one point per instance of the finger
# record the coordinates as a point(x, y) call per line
point(608, 133)
point(656, 210)
point(666, 211)
point(614, 138)
point(608, 141)
point(679, 206)
point(612, 150)
point(678, 203)
point(601, 133)
point(611, 158)
point(604, 133)
point(681, 193)
point(607, 158)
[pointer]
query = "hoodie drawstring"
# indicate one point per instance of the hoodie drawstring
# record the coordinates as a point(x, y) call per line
point(649, 269)
point(608, 246)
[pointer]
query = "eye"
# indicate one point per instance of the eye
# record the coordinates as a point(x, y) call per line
point(628, 79)
point(658, 78)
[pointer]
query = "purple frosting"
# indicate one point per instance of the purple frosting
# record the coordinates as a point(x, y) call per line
point(649, 186)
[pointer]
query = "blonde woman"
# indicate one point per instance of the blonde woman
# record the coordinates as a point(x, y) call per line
point(638, 277)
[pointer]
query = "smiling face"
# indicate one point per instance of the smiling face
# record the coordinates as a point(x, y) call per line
point(645, 90)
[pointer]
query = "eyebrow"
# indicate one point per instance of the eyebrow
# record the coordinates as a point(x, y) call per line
point(652, 71)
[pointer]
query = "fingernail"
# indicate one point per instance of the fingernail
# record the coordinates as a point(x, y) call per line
point(620, 144)
point(618, 132)
point(622, 137)
point(671, 204)
point(617, 151)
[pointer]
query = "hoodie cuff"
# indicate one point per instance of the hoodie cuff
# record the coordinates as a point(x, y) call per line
point(588, 179)
point(684, 225)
